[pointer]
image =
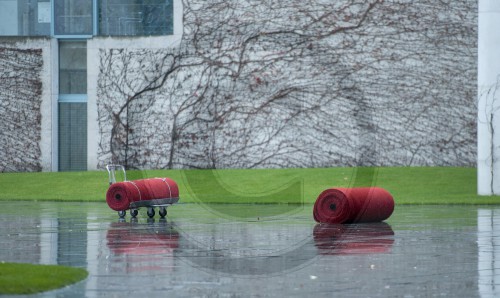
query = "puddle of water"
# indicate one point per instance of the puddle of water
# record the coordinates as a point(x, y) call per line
point(203, 251)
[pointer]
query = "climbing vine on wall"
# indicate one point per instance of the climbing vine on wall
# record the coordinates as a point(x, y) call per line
point(293, 83)
point(20, 101)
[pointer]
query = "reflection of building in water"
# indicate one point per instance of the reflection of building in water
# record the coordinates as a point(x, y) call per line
point(52, 238)
point(48, 240)
point(17, 241)
point(488, 241)
point(72, 241)
point(247, 248)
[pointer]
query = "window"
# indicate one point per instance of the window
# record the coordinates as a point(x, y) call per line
point(86, 18)
point(73, 67)
point(72, 136)
point(73, 17)
point(135, 17)
point(72, 105)
point(25, 17)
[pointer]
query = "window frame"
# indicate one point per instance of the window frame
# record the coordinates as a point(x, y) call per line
point(73, 36)
point(74, 98)
point(168, 29)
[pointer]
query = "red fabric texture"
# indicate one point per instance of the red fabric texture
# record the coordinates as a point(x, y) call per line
point(121, 194)
point(353, 205)
point(365, 238)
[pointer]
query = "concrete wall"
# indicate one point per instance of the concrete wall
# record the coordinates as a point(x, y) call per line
point(489, 98)
point(95, 47)
point(271, 84)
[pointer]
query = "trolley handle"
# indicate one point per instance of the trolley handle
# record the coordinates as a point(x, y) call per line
point(112, 173)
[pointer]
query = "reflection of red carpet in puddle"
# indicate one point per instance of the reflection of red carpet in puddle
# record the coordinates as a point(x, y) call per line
point(351, 205)
point(145, 248)
point(121, 194)
point(124, 239)
point(368, 238)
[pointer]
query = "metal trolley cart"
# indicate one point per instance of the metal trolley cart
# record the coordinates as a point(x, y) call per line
point(160, 203)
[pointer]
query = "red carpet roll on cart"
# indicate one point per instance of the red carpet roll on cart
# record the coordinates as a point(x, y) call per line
point(150, 193)
point(138, 193)
point(353, 205)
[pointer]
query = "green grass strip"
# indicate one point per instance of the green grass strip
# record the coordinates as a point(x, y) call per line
point(19, 278)
point(408, 185)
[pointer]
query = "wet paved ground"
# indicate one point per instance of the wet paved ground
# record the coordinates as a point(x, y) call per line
point(259, 251)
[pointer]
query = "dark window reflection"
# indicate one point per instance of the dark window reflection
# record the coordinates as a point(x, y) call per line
point(73, 17)
point(135, 17)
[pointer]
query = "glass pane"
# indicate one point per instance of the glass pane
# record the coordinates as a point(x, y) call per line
point(72, 136)
point(136, 17)
point(73, 67)
point(73, 17)
point(25, 17)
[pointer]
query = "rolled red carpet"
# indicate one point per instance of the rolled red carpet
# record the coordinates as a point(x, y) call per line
point(351, 205)
point(121, 194)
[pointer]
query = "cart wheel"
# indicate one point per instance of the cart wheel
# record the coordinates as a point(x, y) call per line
point(162, 212)
point(151, 212)
point(121, 214)
point(133, 212)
